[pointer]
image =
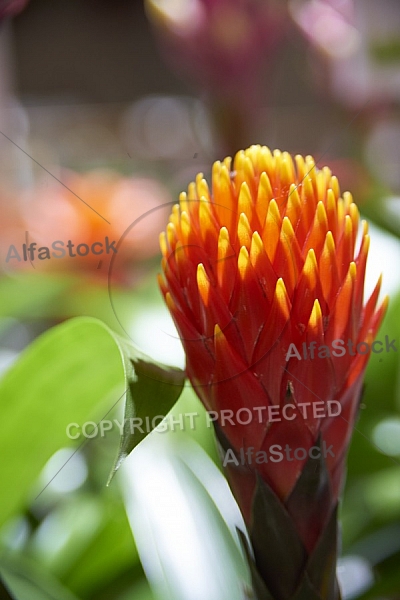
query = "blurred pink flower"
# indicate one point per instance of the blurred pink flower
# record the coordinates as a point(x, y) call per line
point(328, 24)
point(10, 8)
point(221, 45)
point(358, 48)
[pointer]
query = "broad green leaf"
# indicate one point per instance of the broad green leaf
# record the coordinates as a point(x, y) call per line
point(110, 551)
point(70, 374)
point(27, 581)
point(73, 373)
point(184, 521)
point(140, 591)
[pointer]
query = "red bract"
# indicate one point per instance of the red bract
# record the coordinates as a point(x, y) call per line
point(256, 266)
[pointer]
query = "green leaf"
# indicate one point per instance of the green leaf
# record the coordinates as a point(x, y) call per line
point(68, 375)
point(4, 593)
point(152, 390)
point(276, 544)
point(306, 591)
point(321, 567)
point(27, 581)
point(73, 373)
point(184, 521)
point(259, 591)
point(310, 502)
point(108, 554)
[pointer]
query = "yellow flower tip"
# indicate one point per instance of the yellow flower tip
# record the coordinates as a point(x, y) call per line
point(293, 204)
point(321, 180)
point(282, 298)
point(244, 231)
point(354, 213)
point(171, 234)
point(321, 215)
point(353, 271)
point(199, 178)
point(202, 188)
point(183, 201)
point(205, 216)
point(348, 226)
point(330, 243)
point(185, 227)
point(280, 288)
point(307, 187)
point(293, 191)
point(384, 305)
point(256, 248)
point(218, 331)
point(192, 194)
point(216, 170)
point(286, 170)
point(203, 283)
point(273, 212)
point(238, 160)
point(315, 320)
point(365, 246)
point(225, 173)
point(300, 167)
point(175, 215)
point(310, 269)
point(248, 169)
point(170, 303)
point(364, 227)
point(245, 202)
point(224, 246)
point(243, 261)
point(161, 283)
point(223, 238)
point(311, 261)
point(266, 159)
point(163, 243)
point(334, 185)
point(227, 163)
point(330, 200)
point(287, 230)
point(328, 174)
point(348, 199)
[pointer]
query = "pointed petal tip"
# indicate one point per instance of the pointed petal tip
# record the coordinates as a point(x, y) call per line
point(203, 283)
point(170, 302)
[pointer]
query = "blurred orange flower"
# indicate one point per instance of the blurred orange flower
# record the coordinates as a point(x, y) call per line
point(98, 208)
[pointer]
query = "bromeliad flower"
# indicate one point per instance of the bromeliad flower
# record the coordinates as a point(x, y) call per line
point(265, 285)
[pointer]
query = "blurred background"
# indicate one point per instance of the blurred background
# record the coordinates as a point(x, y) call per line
point(107, 112)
